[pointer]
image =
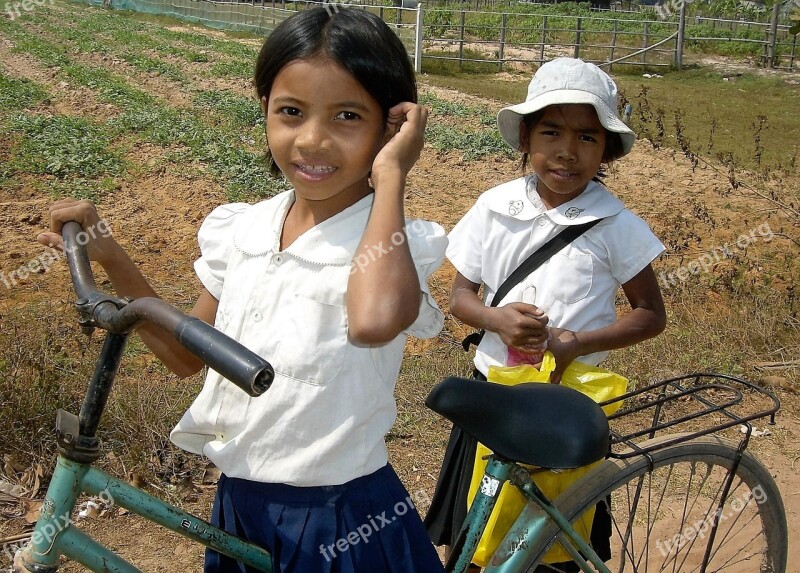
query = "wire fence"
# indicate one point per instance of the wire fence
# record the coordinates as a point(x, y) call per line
point(518, 41)
point(473, 40)
point(497, 40)
point(260, 17)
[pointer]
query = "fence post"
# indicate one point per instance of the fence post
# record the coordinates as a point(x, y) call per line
point(791, 55)
point(544, 38)
point(502, 51)
point(772, 35)
point(681, 35)
point(461, 42)
point(578, 38)
point(613, 44)
point(418, 40)
point(645, 41)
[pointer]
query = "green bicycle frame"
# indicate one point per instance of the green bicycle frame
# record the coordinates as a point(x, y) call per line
point(514, 552)
point(495, 476)
point(55, 533)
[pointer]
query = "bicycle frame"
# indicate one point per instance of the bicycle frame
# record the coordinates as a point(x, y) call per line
point(531, 521)
point(55, 534)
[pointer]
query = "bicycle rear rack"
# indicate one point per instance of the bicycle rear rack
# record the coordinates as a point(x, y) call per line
point(689, 406)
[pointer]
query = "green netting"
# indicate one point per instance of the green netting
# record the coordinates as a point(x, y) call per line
point(258, 18)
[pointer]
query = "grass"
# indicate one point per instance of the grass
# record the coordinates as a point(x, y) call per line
point(449, 108)
point(62, 147)
point(17, 94)
point(55, 362)
point(155, 65)
point(233, 110)
point(473, 144)
point(240, 69)
point(445, 63)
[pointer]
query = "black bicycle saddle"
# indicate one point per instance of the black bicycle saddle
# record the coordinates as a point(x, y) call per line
point(544, 425)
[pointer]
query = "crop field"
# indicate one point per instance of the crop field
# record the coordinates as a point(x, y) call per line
point(156, 121)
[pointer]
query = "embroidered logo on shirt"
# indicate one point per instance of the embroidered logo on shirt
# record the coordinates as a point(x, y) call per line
point(514, 207)
point(573, 212)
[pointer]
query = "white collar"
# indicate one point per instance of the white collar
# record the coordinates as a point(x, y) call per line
point(521, 202)
point(331, 242)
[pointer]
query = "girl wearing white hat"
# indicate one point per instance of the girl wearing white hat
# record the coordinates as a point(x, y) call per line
point(566, 129)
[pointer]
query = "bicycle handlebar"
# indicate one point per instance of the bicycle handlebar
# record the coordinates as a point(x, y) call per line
point(221, 353)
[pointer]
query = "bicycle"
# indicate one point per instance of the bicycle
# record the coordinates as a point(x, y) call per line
point(571, 431)
point(685, 501)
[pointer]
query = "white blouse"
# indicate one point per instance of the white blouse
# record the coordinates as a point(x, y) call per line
point(577, 287)
point(324, 419)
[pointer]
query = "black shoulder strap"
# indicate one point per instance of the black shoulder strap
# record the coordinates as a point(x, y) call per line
point(541, 256)
point(533, 262)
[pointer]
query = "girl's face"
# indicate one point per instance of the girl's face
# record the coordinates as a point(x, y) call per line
point(566, 149)
point(324, 131)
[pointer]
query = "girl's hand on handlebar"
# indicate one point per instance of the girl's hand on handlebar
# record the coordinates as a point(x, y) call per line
point(100, 245)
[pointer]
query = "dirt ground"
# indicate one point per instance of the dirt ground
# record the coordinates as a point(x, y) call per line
point(157, 215)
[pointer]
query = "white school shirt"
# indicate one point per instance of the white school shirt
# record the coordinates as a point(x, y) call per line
point(576, 288)
point(324, 419)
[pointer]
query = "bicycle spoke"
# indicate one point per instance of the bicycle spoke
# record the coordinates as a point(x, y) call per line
point(661, 518)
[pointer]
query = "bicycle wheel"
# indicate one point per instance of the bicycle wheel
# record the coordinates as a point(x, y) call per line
point(663, 517)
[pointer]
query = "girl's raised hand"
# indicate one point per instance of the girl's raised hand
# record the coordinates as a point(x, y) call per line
point(100, 245)
point(405, 129)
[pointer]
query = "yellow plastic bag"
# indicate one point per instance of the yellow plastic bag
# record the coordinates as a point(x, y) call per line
point(597, 383)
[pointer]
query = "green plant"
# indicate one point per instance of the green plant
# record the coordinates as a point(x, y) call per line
point(63, 146)
point(110, 87)
point(233, 69)
point(446, 63)
point(18, 94)
point(444, 107)
point(473, 144)
point(150, 64)
point(233, 110)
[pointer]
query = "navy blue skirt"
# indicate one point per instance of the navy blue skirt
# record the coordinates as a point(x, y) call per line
point(367, 525)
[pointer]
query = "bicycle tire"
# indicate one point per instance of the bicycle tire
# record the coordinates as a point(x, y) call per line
point(659, 538)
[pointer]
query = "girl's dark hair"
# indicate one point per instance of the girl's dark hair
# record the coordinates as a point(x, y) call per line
point(614, 148)
point(358, 41)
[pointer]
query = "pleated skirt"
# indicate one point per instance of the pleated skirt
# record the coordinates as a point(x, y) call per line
point(367, 525)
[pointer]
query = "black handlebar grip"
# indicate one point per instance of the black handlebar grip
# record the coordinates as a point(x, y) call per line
point(78, 261)
point(241, 366)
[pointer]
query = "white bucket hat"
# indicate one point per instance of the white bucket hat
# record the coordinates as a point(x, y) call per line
point(567, 81)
